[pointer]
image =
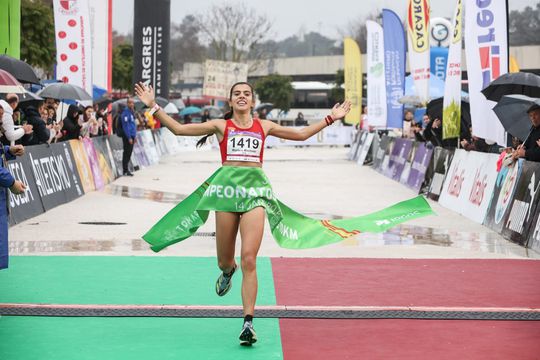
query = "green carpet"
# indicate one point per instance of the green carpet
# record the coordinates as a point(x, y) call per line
point(128, 280)
point(26, 338)
point(124, 280)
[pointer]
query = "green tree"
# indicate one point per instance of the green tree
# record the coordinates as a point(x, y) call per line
point(37, 34)
point(524, 26)
point(338, 93)
point(275, 89)
point(123, 67)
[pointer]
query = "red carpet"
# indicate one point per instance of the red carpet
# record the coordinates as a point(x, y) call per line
point(409, 339)
point(407, 282)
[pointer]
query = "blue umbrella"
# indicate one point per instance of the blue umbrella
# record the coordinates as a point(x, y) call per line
point(190, 110)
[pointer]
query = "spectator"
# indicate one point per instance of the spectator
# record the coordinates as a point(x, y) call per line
point(474, 143)
point(71, 128)
point(90, 125)
point(35, 117)
point(262, 114)
point(408, 122)
point(51, 115)
point(101, 118)
point(16, 187)
point(205, 116)
point(187, 119)
point(530, 149)
point(364, 124)
point(300, 121)
point(10, 133)
point(129, 135)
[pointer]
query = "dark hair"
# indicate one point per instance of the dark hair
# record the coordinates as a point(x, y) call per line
point(229, 114)
point(12, 99)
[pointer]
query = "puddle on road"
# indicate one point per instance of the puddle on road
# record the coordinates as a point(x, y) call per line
point(138, 193)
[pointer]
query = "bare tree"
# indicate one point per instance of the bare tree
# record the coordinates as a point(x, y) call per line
point(234, 32)
point(356, 29)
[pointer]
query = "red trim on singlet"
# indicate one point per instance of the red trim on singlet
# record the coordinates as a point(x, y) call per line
point(256, 127)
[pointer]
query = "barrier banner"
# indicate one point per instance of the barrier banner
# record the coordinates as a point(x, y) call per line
point(160, 145)
point(408, 164)
point(353, 151)
point(421, 161)
point(62, 151)
point(533, 238)
point(364, 149)
point(524, 203)
point(442, 158)
point(139, 156)
point(503, 193)
point(169, 140)
point(380, 153)
point(104, 159)
point(469, 184)
point(51, 175)
point(83, 166)
point(117, 148)
point(94, 162)
point(398, 156)
point(27, 205)
point(147, 143)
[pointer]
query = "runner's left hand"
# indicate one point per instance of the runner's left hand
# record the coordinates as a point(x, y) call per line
point(340, 110)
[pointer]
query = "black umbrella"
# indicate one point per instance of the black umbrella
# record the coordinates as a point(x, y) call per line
point(19, 69)
point(521, 83)
point(512, 113)
point(63, 91)
point(434, 109)
point(29, 99)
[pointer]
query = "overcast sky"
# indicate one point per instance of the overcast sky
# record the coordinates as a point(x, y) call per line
point(290, 17)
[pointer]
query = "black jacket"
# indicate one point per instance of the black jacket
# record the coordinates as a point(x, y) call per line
point(41, 134)
point(532, 150)
point(71, 129)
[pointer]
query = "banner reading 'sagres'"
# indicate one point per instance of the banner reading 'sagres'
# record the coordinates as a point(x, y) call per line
point(151, 34)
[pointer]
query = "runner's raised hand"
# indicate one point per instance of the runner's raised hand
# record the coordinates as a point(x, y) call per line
point(145, 93)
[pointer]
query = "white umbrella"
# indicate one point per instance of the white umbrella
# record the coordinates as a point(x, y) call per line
point(171, 109)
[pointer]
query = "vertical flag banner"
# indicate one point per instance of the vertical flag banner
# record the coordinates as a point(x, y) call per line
point(394, 67)
point(151, 35)
point(73, 43)
point(353, 79)
point(100, 17)
point(418, 43)
point(452, 89)
point(438, 61)
point(486, 50)
point(10, 28)
point(376, 96)
point(219, 76)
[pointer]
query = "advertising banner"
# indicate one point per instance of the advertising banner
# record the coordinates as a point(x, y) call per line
point(394, 67)
point(74, 187)
point(376, 91)
point(503, 193)
point(442, 159)
point(219, 76)
point(73, 43)
point(105, 160)
point(469, 184)
point(380, 153)
point(364, 149)
point(438, 61)
point(353, 79)
point(51, 175)
point(418, 44)
point(83, 166)
point(149, 146)
point(399, 155)
point(27, 205)
point(486, 50)
point(139, 156)
point(169, 140)
point(524, 202)
point(94, 163)
point(452, 88)
point(151, 38)
point(420, 164)
point(117, 149)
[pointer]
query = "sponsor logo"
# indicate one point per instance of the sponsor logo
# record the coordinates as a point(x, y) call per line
point(151, 53)
point(68, 7)
point(507, 189)
point(479, 186)
point(456, 181)
point(418, 23)
point(488, 50)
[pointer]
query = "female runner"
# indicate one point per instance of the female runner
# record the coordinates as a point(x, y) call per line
point(241, 139)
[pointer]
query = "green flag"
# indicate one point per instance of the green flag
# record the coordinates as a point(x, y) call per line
point(10, 28)
point(240, 189)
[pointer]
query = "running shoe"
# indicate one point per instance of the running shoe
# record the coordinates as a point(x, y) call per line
point(224, 283)
point(248, 336)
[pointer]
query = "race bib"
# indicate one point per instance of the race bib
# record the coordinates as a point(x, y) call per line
point(244, 146)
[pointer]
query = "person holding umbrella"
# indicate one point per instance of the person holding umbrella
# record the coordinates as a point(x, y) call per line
point(530, 149)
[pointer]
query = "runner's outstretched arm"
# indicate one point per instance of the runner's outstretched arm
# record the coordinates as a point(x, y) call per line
point(288, 133)
point(146, 95)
